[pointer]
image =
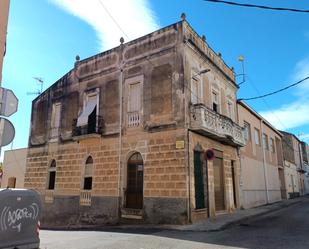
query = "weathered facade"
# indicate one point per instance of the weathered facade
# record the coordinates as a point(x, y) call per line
point(122, 135)
point(294, 165)
point(4, 15)
point(262, 173)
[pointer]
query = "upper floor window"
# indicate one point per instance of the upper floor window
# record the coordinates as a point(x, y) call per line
point(247, 131)
point(265, 142)
point(230, 110)
point(272, 145)
point(89, 121)
point(55, 120)
point(215, 101)
point(51, 175)
point(257, 136)
point(196, 90)
point(88, 170)
point(134, 104)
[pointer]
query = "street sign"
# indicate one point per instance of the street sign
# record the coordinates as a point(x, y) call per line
point(8, 102)
point(7, 132)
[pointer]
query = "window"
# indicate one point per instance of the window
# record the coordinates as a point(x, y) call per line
point(88, 121)
point(194, 91)
point(265, 142)
point(51, 175)
point(55, 119)
point(215, 101)
point(247, 131)
point(134, 104)
point(257, 136)
point(12, 182)
point(87, 183)
point(230, 112)
point(272, 145)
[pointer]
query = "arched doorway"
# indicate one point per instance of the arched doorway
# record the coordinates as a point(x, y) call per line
point(135, 182)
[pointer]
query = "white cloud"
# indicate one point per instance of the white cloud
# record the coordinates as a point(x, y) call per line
point(289, 116)
point(296, 113)
point(133, 16)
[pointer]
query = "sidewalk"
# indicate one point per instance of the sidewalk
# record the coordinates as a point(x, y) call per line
point(225, 220)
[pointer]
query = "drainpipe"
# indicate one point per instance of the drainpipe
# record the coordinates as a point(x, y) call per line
point(264, 164)
point(120, 129)
point(240, 181)
point(301, 166)
point(188, 157)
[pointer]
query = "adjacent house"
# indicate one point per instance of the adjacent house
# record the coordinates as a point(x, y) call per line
point(293, 165)
point(14, 168)
point(4, 15)
point(123, 135)
point(262, 174)
point(305, 150)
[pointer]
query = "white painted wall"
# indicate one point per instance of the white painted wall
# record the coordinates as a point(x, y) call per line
point(14, 165)
point(290, 170)
point(253, 183)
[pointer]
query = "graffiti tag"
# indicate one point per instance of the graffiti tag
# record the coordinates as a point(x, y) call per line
point(12, 218)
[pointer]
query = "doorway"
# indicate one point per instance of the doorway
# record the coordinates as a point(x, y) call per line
point(219, 182)
point(135, 182)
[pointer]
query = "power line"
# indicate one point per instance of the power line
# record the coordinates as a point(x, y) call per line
point(258, 6)
point(113, 19)
point(277, 91)
point(270, 109)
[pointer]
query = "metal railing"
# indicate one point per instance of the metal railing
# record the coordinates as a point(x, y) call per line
point(49, 196)
point(203, 118)
point(134, 119)
point(93, 127)
point(85, 198)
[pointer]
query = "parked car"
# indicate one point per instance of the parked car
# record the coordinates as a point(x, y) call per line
point(20, 211)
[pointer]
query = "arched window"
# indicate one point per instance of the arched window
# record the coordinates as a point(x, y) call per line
point(52, 175)
point(87, 184)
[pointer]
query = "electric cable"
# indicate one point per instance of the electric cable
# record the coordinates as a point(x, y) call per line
point(258, 6)
point(277, 91)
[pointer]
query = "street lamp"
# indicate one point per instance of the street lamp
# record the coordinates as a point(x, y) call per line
point(201, 72)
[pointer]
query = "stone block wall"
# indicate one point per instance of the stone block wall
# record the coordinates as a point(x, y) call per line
point(229, 155)
point(164, 178)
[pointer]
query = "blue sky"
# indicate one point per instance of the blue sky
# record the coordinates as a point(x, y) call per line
point(45, 36)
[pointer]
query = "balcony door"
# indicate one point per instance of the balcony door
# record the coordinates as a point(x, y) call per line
point(135, 182)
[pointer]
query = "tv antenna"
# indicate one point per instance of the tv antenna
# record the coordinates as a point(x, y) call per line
point(241, 59)
point(40, 82)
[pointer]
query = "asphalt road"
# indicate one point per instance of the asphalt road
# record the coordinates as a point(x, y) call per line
point(286, 228)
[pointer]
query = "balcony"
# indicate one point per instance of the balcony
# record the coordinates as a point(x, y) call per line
point(85, 198)
point(133, 119)
point(94, 126)
point(216, 126)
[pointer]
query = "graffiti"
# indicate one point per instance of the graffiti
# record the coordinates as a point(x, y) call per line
point(12, 218)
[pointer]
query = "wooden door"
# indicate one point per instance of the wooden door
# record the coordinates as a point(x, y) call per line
point(198, 181)
point(219, 184)
point(135, 182)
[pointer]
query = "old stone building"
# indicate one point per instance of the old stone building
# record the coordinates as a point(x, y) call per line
point(293, 165)
point(122, 135)
point(4, 15)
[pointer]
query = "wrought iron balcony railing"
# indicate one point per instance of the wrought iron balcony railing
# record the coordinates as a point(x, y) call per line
point(215, 125)
point(94, 126)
